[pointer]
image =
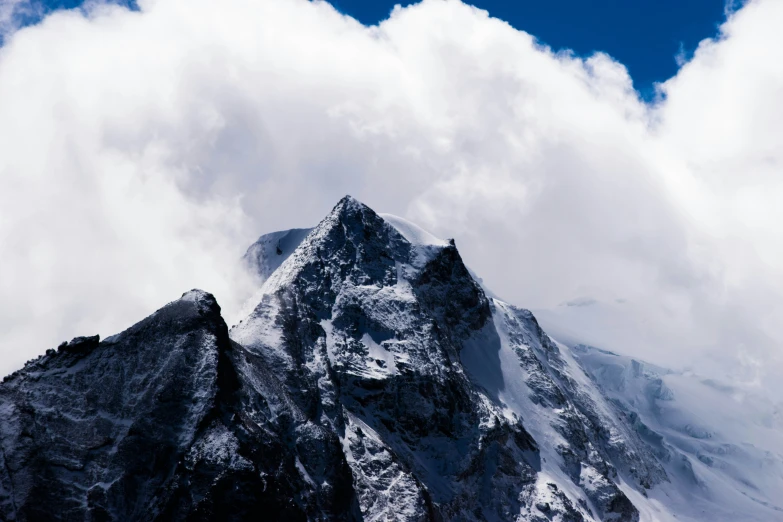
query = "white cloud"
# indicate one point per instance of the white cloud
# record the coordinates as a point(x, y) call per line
point(10, 11)
point(141, 152)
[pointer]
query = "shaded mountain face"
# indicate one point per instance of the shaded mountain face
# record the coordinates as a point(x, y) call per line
point(168, 420)
point(374, 380)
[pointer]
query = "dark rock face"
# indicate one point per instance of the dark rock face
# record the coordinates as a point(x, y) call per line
point(345, 395)
point(97, 428)
point(159, 422)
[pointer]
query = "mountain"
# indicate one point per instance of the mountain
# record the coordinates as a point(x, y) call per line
point(374, 380)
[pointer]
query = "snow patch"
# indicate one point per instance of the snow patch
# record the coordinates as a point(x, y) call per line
point(416, 235)
point(380, 355)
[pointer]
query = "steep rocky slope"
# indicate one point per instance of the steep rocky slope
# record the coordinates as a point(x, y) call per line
point(167, 420)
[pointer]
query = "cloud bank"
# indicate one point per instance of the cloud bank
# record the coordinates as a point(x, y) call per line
point(142, 151)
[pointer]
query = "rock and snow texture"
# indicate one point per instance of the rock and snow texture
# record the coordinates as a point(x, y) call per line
point(375, 380)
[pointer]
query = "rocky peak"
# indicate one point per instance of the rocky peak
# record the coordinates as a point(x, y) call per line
point(359, 271)
point(351, 243)
point(354, 245)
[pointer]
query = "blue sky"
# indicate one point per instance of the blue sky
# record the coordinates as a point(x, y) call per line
point(644, 35)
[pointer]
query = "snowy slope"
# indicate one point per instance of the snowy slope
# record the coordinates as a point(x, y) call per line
point(416, 235)
point(270, 250)
point(586, 447)
point(721, 447)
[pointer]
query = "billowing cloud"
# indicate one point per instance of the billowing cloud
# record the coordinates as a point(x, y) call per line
point(141, 152)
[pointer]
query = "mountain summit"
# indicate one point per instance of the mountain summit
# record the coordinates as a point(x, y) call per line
point(374, 380)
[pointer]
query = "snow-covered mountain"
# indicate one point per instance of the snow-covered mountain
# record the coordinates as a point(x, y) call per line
point(374, 380)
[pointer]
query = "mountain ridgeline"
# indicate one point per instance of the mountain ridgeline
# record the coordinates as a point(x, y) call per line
point(374, 380)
